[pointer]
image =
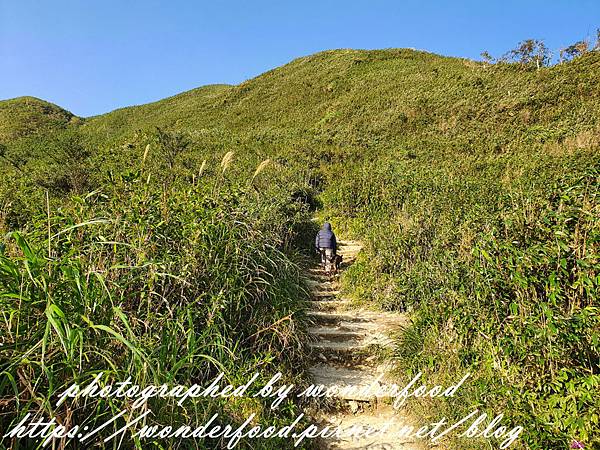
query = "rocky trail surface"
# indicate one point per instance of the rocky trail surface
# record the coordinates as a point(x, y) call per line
point(346, 346)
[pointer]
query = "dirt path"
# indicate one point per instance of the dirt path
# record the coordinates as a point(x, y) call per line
point(345, 345)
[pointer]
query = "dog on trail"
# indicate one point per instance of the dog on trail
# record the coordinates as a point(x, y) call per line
point(336, 263)
point(330, 264)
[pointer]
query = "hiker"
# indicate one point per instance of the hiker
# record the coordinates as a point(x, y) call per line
point(326, 245)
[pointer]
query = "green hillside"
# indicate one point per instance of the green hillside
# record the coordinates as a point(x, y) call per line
point(23, 116)
point(474, 187)
point(351, 102)
point(337, 94)
point(364, 99)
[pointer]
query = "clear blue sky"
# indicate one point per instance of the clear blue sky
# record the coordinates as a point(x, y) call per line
point(94, 56)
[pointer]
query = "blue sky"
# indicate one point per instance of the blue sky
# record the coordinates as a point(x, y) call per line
point(94, 56)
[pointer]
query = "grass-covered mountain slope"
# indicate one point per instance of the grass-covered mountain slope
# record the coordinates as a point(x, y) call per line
point(474, 187)
point(381, 94)
point(343, 104)
point(22, 116)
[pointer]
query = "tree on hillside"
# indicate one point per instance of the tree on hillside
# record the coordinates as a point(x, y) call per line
point(574, 51)
point(171, 145)
point(530, 52)
point(487, 58)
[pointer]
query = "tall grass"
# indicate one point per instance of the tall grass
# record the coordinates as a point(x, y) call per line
point(166, 287)
point(500, 271)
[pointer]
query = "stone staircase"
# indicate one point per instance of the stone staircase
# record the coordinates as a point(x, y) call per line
point(345, 342)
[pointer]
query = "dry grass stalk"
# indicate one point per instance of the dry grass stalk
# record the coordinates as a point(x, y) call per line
point(146, 154)
point(262, 166)
point(202, 167)
point(226, 162)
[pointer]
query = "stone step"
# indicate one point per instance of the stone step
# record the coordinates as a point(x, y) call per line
point(348, 384)
point(386, 321)
point(344, 320)
point(392, 439)
point(348, 244)
point(325, 284)
point(321, 294)
point(336, 339)
point(324, 292)
point(336, 333)
point(347, 316)
point(327, 305)
point(340, 356)
point(337, 346)
point(332, 300)
point(315, 280)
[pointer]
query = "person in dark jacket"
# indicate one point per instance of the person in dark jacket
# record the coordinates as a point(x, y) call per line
point(326, 244)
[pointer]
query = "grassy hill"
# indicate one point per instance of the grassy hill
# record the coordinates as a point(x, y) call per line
point(23, 116)
point(474, 187)
point(363, 99)
point(350, 104)
point(376, 92)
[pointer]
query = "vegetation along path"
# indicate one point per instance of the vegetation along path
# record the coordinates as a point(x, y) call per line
point(346, 348)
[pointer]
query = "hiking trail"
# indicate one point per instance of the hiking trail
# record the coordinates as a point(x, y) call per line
point(345, 343)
